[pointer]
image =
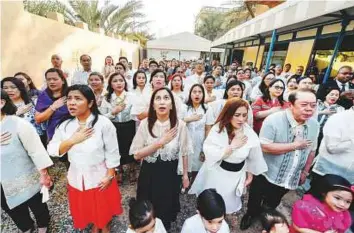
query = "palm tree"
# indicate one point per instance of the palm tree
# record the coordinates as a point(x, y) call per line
point(42, 8)
point(209, 25)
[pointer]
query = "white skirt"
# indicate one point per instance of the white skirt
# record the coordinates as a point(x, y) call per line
point(230, 185)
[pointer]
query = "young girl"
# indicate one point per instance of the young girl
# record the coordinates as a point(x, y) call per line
point(232, 156)
point(210, 214)
point(90, 140)
point(160, 142)
point(326, 208)
point(195, 117)
point(142, 218)
point(274, 222)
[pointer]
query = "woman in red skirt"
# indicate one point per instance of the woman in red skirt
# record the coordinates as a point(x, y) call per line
point(90, 140)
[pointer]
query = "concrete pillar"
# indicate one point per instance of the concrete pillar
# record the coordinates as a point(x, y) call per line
point(81, 25)
point(56, 16)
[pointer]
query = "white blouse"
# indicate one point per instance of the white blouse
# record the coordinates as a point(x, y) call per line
point(195, 224)
point(159, 227)
point(90, 159)
point(123, 116)
point(175, 149)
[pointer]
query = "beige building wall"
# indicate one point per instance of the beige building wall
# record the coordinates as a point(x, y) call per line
point(28, 41)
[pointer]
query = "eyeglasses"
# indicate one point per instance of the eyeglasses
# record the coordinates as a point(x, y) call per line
point(278, 88)
point(347, 73)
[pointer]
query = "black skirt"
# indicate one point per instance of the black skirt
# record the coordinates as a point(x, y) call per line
point(125, 135)
point(159, 183)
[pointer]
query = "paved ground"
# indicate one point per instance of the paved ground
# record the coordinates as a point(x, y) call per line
point(61, 221)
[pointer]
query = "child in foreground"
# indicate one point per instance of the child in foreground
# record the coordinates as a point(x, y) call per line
point(142, 218)
point(326, 208)
point(210, 214)
point(274, 222)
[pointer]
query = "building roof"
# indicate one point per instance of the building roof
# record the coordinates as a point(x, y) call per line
point(185, 41)
point(290, 15)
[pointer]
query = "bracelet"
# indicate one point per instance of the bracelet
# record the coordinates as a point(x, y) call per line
point(52, 108)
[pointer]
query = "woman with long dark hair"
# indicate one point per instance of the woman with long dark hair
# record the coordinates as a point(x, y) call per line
point(211, 94)
point(117, 107)
point(259, 89)
point(160, 141)
point(24, 163)
point(32, 90)
point(25, 105)
point(51, 104)
point(233, 155)
point(195, 117)
point(233, 89)
point(90, 140)
point(272, 101)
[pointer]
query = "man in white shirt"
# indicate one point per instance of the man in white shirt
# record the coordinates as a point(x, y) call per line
point(197, 77)
point(81, 76)
point(286, 73)
point(128, 72)
point(279, 74)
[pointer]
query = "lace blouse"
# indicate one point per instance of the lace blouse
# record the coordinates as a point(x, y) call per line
point(178, 147)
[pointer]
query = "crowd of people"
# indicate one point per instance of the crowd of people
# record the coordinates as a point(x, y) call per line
point(180, 127)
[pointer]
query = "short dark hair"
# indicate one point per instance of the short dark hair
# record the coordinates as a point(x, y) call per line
point(344, 67)
point(293, 95)
point(208, 77)
point(9, 107)
point(270, 218)
point(85, 55)
point(141, 213)
point(153, 62)
point(98, 74)
point(158, 71)
point(211, 205)
point(121, 64)
point(123, 58)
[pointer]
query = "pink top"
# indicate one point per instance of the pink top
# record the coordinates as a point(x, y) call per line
point(260, 105)
point(312, 214)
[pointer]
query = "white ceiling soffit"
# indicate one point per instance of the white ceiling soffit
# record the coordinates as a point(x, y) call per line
point(289, 15)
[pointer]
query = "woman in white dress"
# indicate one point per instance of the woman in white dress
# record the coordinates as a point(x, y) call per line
point(210, 215)
point(195, 117)
point(233, 89)
point(176, 86)
point(142, 218)
point(233, 155)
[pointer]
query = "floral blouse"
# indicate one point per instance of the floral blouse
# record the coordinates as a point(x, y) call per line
point(29, 116)
point(178, 147)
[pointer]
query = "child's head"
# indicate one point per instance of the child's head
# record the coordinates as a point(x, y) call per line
point(274, 222)
point(141, 216)
point(211, 207)
point(335, 191)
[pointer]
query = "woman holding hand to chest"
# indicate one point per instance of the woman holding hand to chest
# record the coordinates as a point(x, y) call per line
point(90, 140)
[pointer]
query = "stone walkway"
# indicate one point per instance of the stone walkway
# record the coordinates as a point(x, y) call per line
point(61, 221)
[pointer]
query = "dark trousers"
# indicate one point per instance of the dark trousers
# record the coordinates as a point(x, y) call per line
point(263, 195)
point(21, 215)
